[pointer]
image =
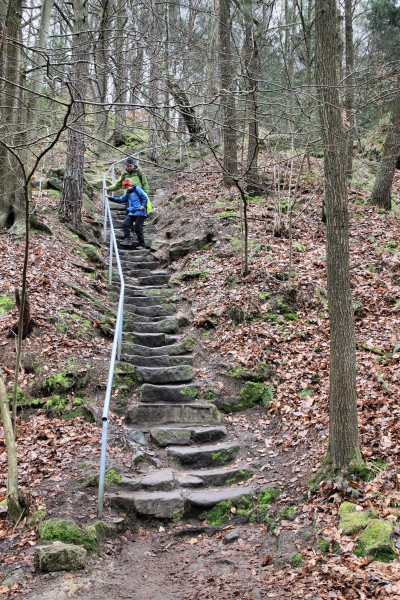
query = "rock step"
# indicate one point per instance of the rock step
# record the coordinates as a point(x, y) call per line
point(154, 279)
point(173, 349)
point(156, 310)
point(146, 266)
point(168, 325)
point(199, 500)
point(165, 375)
point(151, 393)
point(159, 480)
point(147, 339)
point(147, 416)
point(161, 293)
point(158, 361)
point(135, 273)
point(175, 503)
point(132, 317)
point(222, 476)
point(145, 301)
point(213, 455)
point(173, 435)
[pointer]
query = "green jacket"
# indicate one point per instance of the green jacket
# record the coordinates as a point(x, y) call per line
point(136, 177)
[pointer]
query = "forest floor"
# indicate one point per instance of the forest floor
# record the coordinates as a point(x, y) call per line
point(238, 323)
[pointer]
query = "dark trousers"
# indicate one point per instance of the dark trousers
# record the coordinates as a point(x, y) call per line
point(139, 222)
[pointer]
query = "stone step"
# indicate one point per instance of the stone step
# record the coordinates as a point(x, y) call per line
point(199, 500)
point(222, 476)
point(213, 455)
point(168, 325)
point(145, 301)
point(132, 317)
point(172, 349)
point(156, 310)
point(127, 263)
point(171, 504)
point(145, 339)
point(165, 375)
point(151, 393)
point(173, 435)
point(158, 361)
point(130, 273)
point(154, 279)
point(159, 480)
point(133, 291)
point(159, 504)
point(150, 415)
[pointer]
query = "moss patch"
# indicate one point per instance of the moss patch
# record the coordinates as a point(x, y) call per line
point(69, 379)
point(226, 510)
point(6, 304)
point(66, 530)
point(376, 540)
point(352, 520)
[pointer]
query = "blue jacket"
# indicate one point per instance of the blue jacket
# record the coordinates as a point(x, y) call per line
point(135, 198)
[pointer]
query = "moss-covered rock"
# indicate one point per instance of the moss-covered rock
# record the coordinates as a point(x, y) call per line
point(59, 556)
point(92, 253)
point(66, 530)
point(352, 520)
point(376, 540)
point(71, 378)
point(6, 304)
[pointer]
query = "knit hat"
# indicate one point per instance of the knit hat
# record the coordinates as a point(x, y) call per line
point(129, 161)
point(126, 182)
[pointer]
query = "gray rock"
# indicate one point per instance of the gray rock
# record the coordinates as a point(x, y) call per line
point(13, 576)
point(183, 247)
point(168, 393)
point(61, 557)
point(138, 437)
point(205, 499)
point(231, 536)
point(204, 456)
point(166, 436)
point(149, 415)
point(164, 375)
point(162, 480)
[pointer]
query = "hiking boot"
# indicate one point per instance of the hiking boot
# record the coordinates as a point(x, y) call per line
point(142, 247)
point(126, 242)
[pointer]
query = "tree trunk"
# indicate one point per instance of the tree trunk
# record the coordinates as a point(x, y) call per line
point(382, 192)
point(14, 507)
point(12, 200)
point(187, 111)
point(70, 207)
point(227, 77)
point(344, 443)
point(252, 67)
point(349, 99)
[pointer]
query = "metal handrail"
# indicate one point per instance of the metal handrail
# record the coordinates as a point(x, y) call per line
point(115, 353)
point(117, 341)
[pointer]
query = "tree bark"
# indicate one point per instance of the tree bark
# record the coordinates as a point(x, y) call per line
point(382, 192)
point(70, 207)
point(227, 77)
point(187, 111)
point(344, 443)
point(349, 93)
point(14, 507)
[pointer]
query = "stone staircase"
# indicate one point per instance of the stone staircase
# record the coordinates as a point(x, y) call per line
point(199, 468)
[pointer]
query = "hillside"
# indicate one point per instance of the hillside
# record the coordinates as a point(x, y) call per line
point(261, 328)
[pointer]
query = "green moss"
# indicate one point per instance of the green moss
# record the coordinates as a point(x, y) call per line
point(228, 509)
point(177, 516)
point(288, 513)
point(70, 378)
point(222, 457)
point(66, 530)
point(21, 399)
point(6, 304)
point(352, 520)
point(112, 476)
point(376, 540)
point(239, 476)
point(252, 393)
point(55, 403)
point(192, 392)
point(189, 343)
point(209, 394)
point(287, 313)
point(296, 561)
point(36, 517)
point(321, 546)
point(78, 401)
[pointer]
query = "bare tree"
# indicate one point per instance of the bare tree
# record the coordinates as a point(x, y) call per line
point(344, 442)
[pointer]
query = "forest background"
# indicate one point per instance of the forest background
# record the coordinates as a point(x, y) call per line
point(261, 94)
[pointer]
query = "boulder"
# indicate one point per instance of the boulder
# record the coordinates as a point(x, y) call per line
point(61, 557)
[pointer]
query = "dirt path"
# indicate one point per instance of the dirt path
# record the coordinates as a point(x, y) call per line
point(141, 570)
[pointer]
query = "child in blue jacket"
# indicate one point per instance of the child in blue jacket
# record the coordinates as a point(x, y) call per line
point(136, 200)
